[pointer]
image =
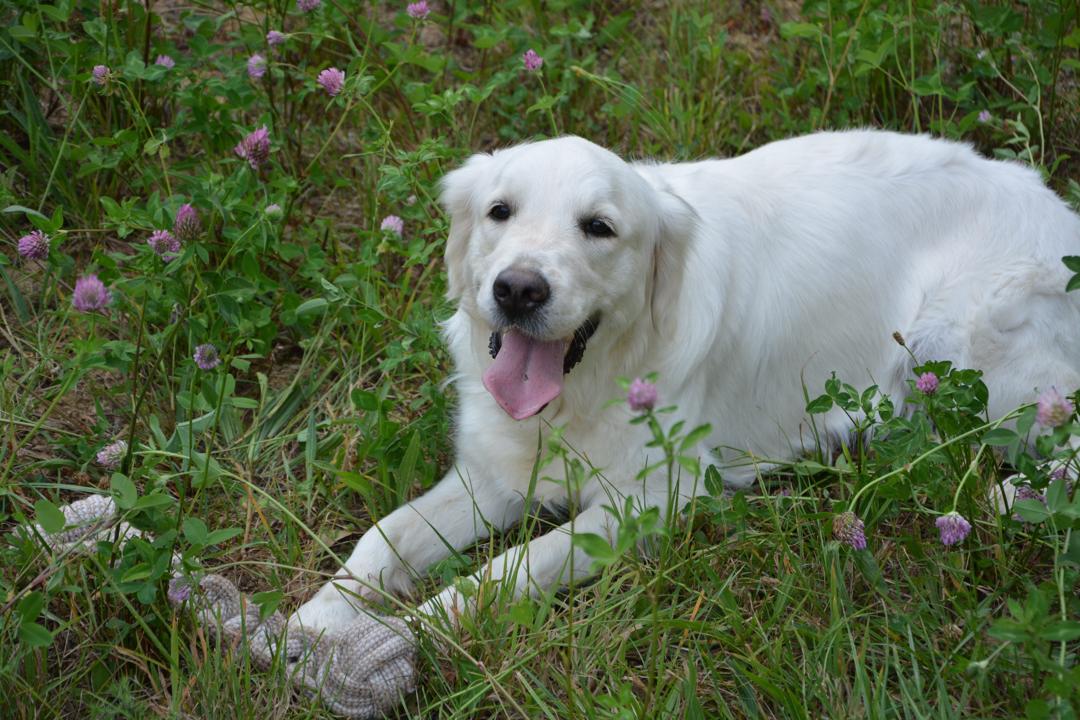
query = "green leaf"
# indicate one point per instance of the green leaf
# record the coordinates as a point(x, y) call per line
point(810, 31)
point(714, 483)
point(219, 536)
point(1000, 437)
point(1032, 511)
point(195, 531)
point(596, 547)
point(124, 491)
point(868, 566)
point(406, 470)
point(32, 634)
point(1072, 262)
point(1061, 631)
point(695, 436)
point(25, 211)
point(157, 499)
point(1073, 284)
point(522, 612)
point(1009, 630)
point(30, 606)
point(819, 405)
point(311, 307)
point(49, 516)
point(268, 602)
point(355, 481)
point(1057, 495)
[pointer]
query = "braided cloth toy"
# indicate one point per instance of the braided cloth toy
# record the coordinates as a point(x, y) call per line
point(360, 671)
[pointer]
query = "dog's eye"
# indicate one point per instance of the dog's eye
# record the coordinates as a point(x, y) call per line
point(596, 227)
point(499, 211)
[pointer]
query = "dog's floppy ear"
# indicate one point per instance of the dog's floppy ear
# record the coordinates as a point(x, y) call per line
point(458, 195)
point(677, 223)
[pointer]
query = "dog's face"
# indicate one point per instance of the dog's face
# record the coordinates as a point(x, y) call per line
point(550, 241)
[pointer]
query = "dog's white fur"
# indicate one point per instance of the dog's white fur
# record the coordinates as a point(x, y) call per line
point(739, 281)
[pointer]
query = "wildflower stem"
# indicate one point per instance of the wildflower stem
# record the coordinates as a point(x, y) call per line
point(951, 441)
point(126, 463)
point(331, 136)
point(972, 467)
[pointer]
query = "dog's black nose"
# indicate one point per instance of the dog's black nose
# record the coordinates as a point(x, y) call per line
point(520, 292)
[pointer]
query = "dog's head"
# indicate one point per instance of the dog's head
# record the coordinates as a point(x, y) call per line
point(549, 243)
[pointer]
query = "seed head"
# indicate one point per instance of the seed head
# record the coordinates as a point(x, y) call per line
point(187, 225)
point(90, 294)
point(393, 223)
point(1054, 408)
point(641, 395)
point(255, 148)
point(164, 244)
point(332, 80)
point(110, 456)
point(927, 383)
point(256, 66)
point(34, 246)
point(849, 529)
point(954, 528)
point(206, 357)
point(532, 61)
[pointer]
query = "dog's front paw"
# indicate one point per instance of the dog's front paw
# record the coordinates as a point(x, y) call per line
point(335, 605)
point(338, 602)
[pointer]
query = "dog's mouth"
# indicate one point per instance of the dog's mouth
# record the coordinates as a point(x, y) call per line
point(528, 373)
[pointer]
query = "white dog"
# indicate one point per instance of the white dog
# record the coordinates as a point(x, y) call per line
point(738, 281)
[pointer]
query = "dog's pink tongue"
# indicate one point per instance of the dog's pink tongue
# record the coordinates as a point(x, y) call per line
point(526, 375)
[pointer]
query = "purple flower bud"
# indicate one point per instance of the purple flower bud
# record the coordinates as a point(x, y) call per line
point(34, 246)
point(164, 244)
point(927, 383)
point(332, 80)
point(1054, 408)
point(308, 5)
point(187, 226)
point(849, 529)
point(206, 357)
point(533, 62)
point(275, 38)
point(110, 456)
point(256, 66)
point(90, 294)
point(274, 211)
point(101, 74)
point(179, 590)
point(954, 528)
point(255, 148)
point(165, 61)
point(985, 116)
point(393, 223)
point(641, 396)
point(418, 10)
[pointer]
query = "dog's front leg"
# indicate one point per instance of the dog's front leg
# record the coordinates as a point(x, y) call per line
point(547, 562)
point(451, 516)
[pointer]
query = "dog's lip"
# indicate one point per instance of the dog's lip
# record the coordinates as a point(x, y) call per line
point(575, 342)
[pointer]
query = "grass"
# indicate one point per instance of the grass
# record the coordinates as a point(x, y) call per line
point(330, 407)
